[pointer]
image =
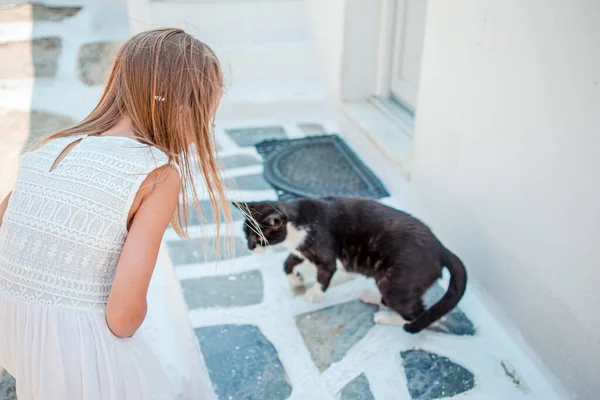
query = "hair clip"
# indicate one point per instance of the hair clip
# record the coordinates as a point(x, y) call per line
point(159, 98)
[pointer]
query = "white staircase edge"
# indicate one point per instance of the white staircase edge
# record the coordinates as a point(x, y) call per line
point(228, 22)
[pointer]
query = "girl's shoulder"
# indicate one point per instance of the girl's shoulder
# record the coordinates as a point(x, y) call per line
point(128, 150)
point(110, 150)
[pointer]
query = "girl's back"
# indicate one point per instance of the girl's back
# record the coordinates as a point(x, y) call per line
point(60, 242)
point(66, 223)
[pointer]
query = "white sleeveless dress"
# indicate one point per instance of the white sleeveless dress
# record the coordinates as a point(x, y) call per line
point(60, 242)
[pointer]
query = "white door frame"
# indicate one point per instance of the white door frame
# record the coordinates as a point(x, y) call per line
point(402, 90)
point(386, 42)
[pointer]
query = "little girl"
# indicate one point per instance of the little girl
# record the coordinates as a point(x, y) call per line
point(80, 232)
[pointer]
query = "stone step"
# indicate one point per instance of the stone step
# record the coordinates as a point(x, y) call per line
point(264, 46)
point(234, 22)
point(271, 72)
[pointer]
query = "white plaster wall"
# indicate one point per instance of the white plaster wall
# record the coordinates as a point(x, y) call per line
point(506, 156)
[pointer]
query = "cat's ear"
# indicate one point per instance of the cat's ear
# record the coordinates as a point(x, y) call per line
point(274, 220)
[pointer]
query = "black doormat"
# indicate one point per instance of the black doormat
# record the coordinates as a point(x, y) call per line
point(317, 167)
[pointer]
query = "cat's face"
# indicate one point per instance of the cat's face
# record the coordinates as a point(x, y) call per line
point(272, 222)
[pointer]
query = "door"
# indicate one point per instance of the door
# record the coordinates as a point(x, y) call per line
point(408, 50)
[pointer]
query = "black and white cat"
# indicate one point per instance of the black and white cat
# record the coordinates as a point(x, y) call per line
point(397, 250)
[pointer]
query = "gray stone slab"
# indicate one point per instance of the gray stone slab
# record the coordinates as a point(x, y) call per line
point(8, 387)
point(36, 12)
point(240, 161)
point(30, 58)
point(250, 136)
point(94, 61)
point(45, 55)
point(430, 376)
point(358, 389)
point(329, 333)
point(207, 213)
point(248, 182)
point(312, 129)
point(515, 377)
point(455, 322)
point(242, 363)
point(184, 252)
point(235, 290)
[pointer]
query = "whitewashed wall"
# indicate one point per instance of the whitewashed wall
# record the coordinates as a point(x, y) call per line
point(507, 154)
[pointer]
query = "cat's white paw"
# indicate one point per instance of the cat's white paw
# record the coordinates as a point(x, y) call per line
point(314, 294)
point(296, 279)
point(259, 250)
point(370, 297)
point(388, 318)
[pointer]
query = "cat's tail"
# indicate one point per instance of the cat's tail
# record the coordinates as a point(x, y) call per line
point(456, 289)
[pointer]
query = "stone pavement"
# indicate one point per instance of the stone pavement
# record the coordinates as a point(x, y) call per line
point(262, 340)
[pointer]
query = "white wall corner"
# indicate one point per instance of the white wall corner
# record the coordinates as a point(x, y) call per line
point(353, 41)
point(360, 54)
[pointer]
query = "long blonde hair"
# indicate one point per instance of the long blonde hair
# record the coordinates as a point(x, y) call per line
point(170, 85)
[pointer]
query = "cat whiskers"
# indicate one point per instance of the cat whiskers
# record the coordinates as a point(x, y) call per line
point(255, 227)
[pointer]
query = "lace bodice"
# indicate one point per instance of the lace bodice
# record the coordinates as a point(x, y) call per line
point(63, 231)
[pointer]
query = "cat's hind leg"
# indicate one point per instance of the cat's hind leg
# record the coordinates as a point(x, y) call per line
point(401, 312)
point(401, 296)
point(407, 305)
point(388, 318)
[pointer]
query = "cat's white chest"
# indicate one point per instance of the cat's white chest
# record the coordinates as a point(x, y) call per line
point(294, 239)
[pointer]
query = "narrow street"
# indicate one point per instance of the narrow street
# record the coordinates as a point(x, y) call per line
point(239, 320)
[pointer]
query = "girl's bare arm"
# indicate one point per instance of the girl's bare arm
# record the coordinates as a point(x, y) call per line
point(126, 308)
point(3, 207)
